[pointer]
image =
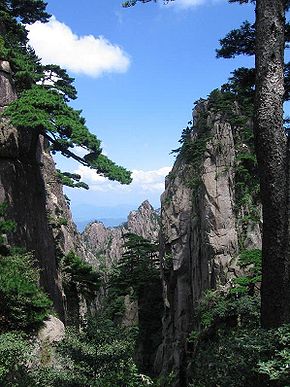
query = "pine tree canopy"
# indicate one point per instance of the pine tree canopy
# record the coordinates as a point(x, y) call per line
point(29, 11)
point(241, 41)
point(44, 92)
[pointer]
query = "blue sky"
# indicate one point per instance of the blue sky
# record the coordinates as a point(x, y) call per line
point(138, 72)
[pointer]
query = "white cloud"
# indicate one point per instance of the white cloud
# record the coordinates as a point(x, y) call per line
point(55, 43)
point(143, 181)
point(184, 4)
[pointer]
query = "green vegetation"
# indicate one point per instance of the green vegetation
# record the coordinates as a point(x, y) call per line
point(101, 355)
point(228, 347)
point(194, 139)
point(15, 353)
point(44, 93)
point(71, 180)
point(6, 226)
point(251, 262)
point(23, 305)
point(137, 267)
point(79, 274)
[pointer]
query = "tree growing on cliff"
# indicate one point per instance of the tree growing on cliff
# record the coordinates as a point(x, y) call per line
point(266, 39)
point(137, 266)
point(44, 93)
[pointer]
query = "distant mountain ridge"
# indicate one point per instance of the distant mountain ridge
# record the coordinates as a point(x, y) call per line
point(108, 242)
point(108, 222)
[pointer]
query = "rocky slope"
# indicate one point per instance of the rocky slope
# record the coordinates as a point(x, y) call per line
point(201, 229)
point(106, 243)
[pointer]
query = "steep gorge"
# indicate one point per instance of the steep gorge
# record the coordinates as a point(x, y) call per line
point(208, 216)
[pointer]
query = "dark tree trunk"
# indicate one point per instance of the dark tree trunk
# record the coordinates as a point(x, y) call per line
point(271, 149)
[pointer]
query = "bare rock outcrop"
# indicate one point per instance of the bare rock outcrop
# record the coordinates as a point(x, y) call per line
point(107, 243)
point(199, 231)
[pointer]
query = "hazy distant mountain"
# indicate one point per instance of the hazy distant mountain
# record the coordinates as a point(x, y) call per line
point(108, 222)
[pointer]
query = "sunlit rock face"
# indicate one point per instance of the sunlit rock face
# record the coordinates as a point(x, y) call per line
point(107, 243)
point(7, 91)
point(199, 232)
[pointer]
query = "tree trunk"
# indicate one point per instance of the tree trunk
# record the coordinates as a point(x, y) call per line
point(271, 149)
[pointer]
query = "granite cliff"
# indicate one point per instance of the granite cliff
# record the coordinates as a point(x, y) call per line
point(107, 243)
point(34, 195)
point(204, 225)
point(22, 187)
point(210, 212)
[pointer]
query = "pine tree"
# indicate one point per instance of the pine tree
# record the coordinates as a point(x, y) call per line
point(266, 39)
point(44, 93)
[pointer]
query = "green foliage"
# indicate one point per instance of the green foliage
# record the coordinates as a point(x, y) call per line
point(230, 358)
point(15, 350)
point(100, 356)
point(241, 41)
point(242, 356)
point(23, 305)
point(247, 188)
point(80, 274)
point(238, 41)
point(71, 180)
point(56, 78)
point(44, 92)
point(241, 85)
point(137, 267)
point(194, 139)
point(28, 11)
point(277, 366)
point(229, 348)
point(217, 309)
point(45, 111)
point(6, 225)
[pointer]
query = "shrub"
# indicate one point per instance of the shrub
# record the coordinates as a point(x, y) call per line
point(23, 304)
point(14, 356)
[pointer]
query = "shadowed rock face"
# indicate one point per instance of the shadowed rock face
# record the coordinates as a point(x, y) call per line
point(60, 217)
point(199, 234)
point(65, 235)
point(29, 185)
point(108, 242)
point(23, 188)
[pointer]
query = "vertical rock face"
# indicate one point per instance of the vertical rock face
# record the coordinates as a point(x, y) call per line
point(29, 185)
point(65, 232)
point(108, 242)
point(66, 237)
point(23, 188)
point(7, 92)
point(199, 230)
